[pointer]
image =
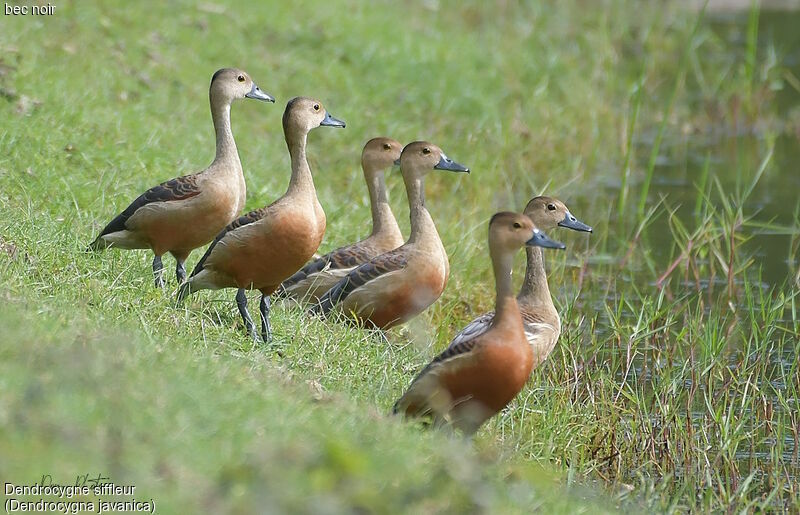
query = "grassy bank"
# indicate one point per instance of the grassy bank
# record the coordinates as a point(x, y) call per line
point(675, 382)
point(201, 432)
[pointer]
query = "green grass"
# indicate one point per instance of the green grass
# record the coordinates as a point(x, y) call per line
point(674, 384)
point(199, 431)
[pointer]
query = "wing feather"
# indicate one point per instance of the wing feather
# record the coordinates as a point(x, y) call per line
point(343, 257)
point(477, 327)
point(180, 188)
point(423, 389)
point(246, 219)
point(361, 275)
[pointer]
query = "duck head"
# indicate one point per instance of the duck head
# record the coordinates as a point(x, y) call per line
point(509, 232)
point(303, 114)
point(420, 157)
point(229, 84)
point(379, 154)
point(548, 213)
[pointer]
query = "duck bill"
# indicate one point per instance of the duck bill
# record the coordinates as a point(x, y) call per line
point(445, 163)
point(330, 121)
point(540, 239)
point(570, 222)
point(257, 94)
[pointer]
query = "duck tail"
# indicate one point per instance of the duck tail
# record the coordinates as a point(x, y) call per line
point(281, 292)
point(321, 307)
point(325, 303)
point(98, 244)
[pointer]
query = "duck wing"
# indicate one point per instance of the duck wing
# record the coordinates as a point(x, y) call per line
point(541, 331)
point(246, 219)
point(180, 188)
point(422, 387)
point(537, 326)
point(391, 261)
point(475, 328)
point(343, 257)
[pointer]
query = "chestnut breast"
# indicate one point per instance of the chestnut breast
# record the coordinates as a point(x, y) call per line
point(494, 374)
point(262, 254)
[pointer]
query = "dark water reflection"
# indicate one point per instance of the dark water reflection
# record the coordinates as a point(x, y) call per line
point(734, 162)
point(734, 154)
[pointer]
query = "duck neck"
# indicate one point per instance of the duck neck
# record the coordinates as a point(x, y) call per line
point(301, 181)
point(421, 221)
point(505, 303)
point(535, 290)
point(383, 219)
point(221, 116)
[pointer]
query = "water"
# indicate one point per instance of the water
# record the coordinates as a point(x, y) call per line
point(734, 161)
point(733, 153)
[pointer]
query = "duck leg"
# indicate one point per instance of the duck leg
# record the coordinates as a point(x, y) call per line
point(266, 329)
point(241, 303)
point(180, 259)
point(180, 272)
point(158, 272)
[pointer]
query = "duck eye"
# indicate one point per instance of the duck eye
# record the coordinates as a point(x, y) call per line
point(387, 146)
point(426, 150)
point(517, 225)
point(551, 207)
point(240, 78)
point(316, 107)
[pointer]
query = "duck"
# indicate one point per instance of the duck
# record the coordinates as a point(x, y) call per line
point(396, 286)
point(470, 382)
point(187, 212)
point(323, 272)
point(264, 247)
point(539, 315)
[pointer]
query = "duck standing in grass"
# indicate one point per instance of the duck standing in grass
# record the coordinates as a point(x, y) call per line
point(322, 274)
point(183, 214)
point(394, 287)
point(539, 315)
point(470, 382)
point(262, 248)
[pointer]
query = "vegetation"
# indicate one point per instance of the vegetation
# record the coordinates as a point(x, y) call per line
point(674, 385)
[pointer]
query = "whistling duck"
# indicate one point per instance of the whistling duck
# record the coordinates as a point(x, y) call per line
point(541, 320)
point(183, 214)
point(322, 273)
point(396, 286)
point(262, 248)
point(470, 382)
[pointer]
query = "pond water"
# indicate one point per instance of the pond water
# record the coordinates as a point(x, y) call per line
point(733, 155)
